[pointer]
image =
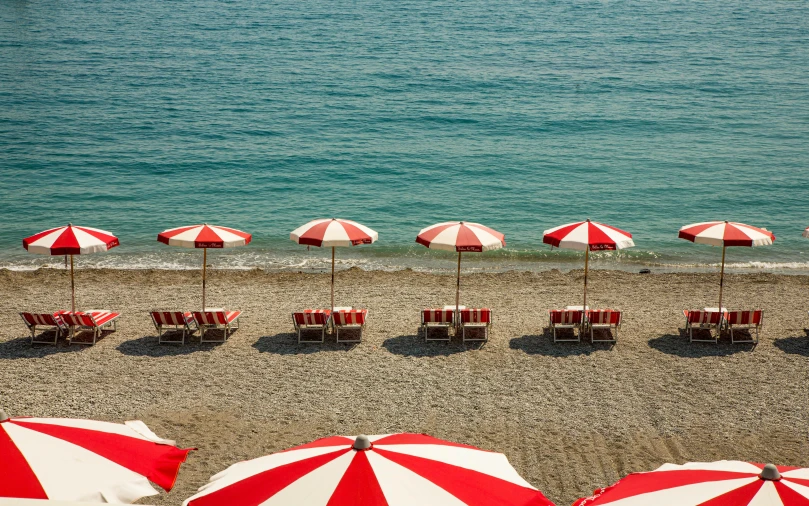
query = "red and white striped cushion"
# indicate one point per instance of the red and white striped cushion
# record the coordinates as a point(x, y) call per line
point(744, 317)
point(41, 319)
point(215, 317)
point(312, 317)
point(82, 319)
point(703, 317)
point(438, 315)
point(604, 317)
point(565, 316)
point(172, 317)
point(476, 315)
point(350, 317)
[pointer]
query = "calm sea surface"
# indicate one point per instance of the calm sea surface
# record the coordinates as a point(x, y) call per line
point(139, 116)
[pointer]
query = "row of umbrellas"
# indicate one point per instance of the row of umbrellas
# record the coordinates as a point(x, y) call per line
point(458, 236)
point(103, 462)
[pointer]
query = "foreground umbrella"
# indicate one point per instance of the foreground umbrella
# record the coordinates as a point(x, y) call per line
point(204, 236)
point(398, 469)
point(333, 233)
point(588, 236)
point(724, 483)
point(84, 460)
point(724, 233)
point(70, 240)
point(460, 236)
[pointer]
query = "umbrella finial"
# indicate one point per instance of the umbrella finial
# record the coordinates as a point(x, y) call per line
point(770, 472)
point(69, 224)
point(3, 415)
point(361, 443)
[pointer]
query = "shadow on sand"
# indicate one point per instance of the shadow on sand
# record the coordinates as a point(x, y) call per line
point(287, 344)
point(679, 345)
point(21, 347)
point(543, 344)
point(414, 345)
point(148, 346)
point(795, 345)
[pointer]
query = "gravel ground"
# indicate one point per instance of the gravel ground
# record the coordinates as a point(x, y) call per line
point(570, 417)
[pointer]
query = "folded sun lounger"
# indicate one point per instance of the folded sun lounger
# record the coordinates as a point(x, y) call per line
point(52, 320)
point(215, 319)
point(752, 320)
point(705, 320)
point(476, 319)
point(95, 320)
point(604, 319)
point(351, 319)
point(566, 319)
point(172, 321)
point(437, 318)
point(311, 319)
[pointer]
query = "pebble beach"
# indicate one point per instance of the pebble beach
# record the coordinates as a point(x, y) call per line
point(571, 417)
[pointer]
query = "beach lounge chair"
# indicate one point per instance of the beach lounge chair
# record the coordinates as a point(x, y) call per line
point(311, 319)
point(437, 318)
point(52, 320)
point(705, 320)
point(216, 319)
point(475, 319)
point(172, 321)
point(745, 320)
point(95, 320)
point(566, 319)
point(607, 319)
point(349, 319)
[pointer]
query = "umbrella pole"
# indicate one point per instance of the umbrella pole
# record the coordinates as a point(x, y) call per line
point(586, 269)
point(72, 288)
point(721, 278)
point(458, 294)
point(204, 269)
point(332, 280)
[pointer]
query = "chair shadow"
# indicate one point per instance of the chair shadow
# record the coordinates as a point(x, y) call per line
point(414, 345)
point(21, 347)
point(286, 343)
point(543, 344)
point(795, 345)
point(85, 337)
point(149, 346)
point(679, 345)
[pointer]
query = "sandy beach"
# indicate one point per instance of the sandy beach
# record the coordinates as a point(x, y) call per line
point(570, 417)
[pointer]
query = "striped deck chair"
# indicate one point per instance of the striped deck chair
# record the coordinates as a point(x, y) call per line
point(705, 320)
point(51, 320)
point(437, 318)
point(349, 319)
point(476, 319)
point(209, 319)
point(604, 319)
point(172, 321)
point(566, 319)
point(94, 320)
point(745, 320)
point(311, 319)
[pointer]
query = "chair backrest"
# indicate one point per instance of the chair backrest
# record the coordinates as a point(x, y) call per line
point(604, 317)
point(217, 317)
point(78, 318)
point(482, 315)
point(752, 317)
point(32, 319)
point(168, 317)
point(704, 317)
point(350, 317)
point(312, 317)
point(566, 316)
point(437, 315)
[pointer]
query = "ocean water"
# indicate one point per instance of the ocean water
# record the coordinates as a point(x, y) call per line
point(140, 116)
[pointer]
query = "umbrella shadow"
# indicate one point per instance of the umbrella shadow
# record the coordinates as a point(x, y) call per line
point(286, 343)
point(414, 345)
point(542, 344)
point(149, 346)
point(795, 345)
point(21, 347)
point(679, 345)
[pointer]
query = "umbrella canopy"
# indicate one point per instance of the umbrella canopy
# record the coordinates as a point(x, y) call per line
point(460, 236)
point(204, 236)
point(727, 482)
point(726, 233)
point(84, 460)
point(398, 469)
point(333, 233)
point(70, 240)
point(587, 236)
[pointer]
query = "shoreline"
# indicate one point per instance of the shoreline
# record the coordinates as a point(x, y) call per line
point(571, 417)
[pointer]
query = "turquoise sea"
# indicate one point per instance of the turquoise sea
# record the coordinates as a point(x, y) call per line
point(140, 116)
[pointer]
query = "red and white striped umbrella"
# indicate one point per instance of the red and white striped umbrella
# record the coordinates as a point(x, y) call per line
point(724, 234)
point(84, 460)
point(204, 236)
point(70, 240)
point(588, 236)
point(398, 469)
point(723, 483)
point(333, 233)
